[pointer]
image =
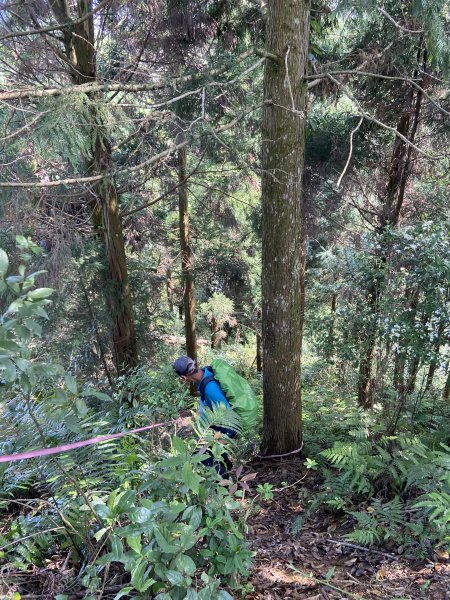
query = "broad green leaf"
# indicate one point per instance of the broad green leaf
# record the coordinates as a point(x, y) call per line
point(137, 574)
point(12, 279)
point(185, 564)
point(179, 445)
point(7, 369)
point(71, 383)
point(123, 592)
point(22, 363)
point(116, 548)
point(100, 533)
point(174, 577)
point(134, 541)
point(140, 515)
point(81, 406)
point(9, 345)
point(4, 263)
point(164, 544)
point(40, 293)
point(72, 424)
point(191, 479)
point(33, 326)
point(14, 306)
point(96, 394)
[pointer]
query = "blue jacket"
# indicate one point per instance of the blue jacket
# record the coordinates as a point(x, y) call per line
point(211, 396)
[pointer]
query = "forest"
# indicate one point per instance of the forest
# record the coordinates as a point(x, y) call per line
point(255, 185)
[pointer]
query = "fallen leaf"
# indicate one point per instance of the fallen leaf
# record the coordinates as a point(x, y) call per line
point(376, 592)
point(381, 574)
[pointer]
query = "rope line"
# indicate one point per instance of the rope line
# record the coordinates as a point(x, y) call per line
point(81, 444)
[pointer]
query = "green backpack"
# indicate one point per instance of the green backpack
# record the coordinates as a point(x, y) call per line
point(237, 390)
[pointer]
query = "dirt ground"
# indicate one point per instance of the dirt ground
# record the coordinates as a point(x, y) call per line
point(317, 564)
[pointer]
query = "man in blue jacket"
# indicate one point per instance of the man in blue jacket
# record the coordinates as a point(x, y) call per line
point(211, 396)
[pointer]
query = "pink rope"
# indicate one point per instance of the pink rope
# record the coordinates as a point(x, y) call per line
point(280, 455)
point(89, 442)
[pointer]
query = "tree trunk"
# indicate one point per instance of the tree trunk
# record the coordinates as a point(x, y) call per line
point(79, 45)
point(392, 202)
point(187, 257)
point(118, 290)
point(283, 148)
point(169, 288)
point(331, 339)
point(446, 392)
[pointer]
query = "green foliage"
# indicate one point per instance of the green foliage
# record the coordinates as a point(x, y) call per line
point(171, 522)
point(218, 310)
point(177, 520)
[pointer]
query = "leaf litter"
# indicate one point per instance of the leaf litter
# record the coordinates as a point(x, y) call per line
point(317, 564)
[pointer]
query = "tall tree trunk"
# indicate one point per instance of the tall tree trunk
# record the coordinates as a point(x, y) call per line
point(118, 295)
point(79, 45)
point(330, 338)
point(283, 148)
point(446, 392)
point(392, 202)
point(187, 257)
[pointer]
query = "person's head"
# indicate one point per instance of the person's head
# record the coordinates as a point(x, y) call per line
point(186, 368)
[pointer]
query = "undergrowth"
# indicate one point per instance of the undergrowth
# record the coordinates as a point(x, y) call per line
point(390, 489)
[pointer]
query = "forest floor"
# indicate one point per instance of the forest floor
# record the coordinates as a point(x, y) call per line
point(317, 564)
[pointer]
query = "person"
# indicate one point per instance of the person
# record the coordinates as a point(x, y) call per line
point(211, 397)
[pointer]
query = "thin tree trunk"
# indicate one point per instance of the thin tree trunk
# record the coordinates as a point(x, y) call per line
point(330, 339)
point(118, 295)
point(169, 288)
point(283, 147)
point(400, 169)
point(446, 392)
point(187, 257)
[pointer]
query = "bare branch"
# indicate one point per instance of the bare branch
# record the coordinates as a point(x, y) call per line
point(124, 87)
point(167, 193)
point(392, 20)
point(71, 23)
point(350, 152)
point(17, 133)
point(373, 119)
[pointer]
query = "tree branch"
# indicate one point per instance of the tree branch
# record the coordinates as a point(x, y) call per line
point(373, 119)
point(350, 152)
point(71, 23)
point(392, 20)
point(124, 87)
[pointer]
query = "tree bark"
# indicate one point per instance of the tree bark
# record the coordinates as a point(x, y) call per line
point(118, 293)
point(187, 257)
point(446, 392)
point(283, 148)
point(259, 362)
